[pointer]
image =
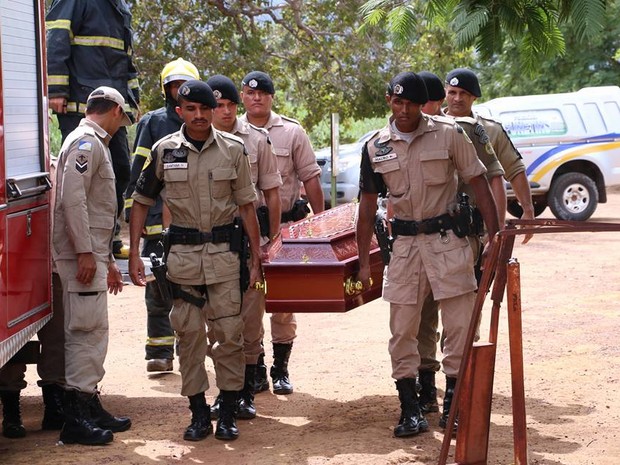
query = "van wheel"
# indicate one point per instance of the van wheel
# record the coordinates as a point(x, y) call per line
point(514, 207)
point(573, 196)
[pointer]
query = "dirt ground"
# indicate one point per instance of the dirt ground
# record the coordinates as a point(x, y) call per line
point(345, 405)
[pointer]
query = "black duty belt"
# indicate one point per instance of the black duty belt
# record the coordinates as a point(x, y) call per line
point(191, 236)
point(429, 226)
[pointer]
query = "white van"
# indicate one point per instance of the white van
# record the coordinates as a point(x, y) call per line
point(570, 144)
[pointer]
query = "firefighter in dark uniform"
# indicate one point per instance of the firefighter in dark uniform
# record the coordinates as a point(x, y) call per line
point(153, 126)
point(89, 44)
point(206, 174)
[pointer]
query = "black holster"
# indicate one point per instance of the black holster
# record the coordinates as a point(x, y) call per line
point(463, 217)
point(159, 269)
point(239, 243)
point(262, 214)
point(383, 239)
point(299, 211)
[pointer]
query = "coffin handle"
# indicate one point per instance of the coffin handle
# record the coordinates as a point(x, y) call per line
point(353, 287)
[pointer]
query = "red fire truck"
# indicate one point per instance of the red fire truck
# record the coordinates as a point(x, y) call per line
point(25, 263)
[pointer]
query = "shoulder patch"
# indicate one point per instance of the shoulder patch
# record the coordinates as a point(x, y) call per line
point(85, 145)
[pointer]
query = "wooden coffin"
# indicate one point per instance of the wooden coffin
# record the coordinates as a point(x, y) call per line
point(315, 266)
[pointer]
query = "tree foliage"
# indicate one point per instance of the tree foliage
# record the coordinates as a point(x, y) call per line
point(312, 50)
point(532, 26)
point(592, 62)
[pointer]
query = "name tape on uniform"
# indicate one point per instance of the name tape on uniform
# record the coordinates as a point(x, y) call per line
point(389, 156)
point(175, 166)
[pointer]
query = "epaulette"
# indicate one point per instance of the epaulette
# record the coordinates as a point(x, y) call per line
point(162, 140)
point(227, 135)
point(259, 129)
point(442, 119)
point(488, 118)
point(466, 120)
point(292, 120)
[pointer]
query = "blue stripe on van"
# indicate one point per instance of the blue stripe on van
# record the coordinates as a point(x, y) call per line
point(560, 148)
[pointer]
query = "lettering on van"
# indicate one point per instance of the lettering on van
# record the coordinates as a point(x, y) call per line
point(530, 123)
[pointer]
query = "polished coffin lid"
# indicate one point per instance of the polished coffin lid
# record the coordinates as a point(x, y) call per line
point(308, 271)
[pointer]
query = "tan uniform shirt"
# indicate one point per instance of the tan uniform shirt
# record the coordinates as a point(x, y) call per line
point(484, 149)
point(296, 159)
point(203, 190)
point(421, 177)
point(85, 200)
point(263, 161)
point(505, 151)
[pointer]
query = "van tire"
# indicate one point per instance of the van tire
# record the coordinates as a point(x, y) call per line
point(514, 207)
point(573, 197)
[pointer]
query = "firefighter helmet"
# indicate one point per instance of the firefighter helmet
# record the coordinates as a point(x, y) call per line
point(177, 70)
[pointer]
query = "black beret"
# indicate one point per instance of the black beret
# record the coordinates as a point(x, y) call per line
point(465, 79)
point(223, 87)
point(434, 86)
point(260, 81)
point(197, 91)
point(409, 86)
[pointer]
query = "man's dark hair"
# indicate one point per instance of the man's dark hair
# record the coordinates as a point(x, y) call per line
point(99, 106)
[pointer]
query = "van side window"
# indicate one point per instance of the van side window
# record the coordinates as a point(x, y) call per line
point(612, 116)
point(593, 117)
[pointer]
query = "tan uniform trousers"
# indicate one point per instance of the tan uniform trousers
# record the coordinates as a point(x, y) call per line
point(223, 318)
point(428, 337)
point(86, 326)
point(283, 325)
point(456, 314)
point(252, 312)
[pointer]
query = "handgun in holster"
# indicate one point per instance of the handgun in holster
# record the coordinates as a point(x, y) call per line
point(239, 243)
point(262, 214)
point(159, 270)
point(383, 239)
point(300, 209)
point(463, 217)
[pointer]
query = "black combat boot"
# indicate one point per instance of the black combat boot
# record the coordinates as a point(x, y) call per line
point(447, 404)
point(247, 411)
point(12, 418)
point(279, 370)
point(215, 408)
point(411, 420)
point(428, 392)
point(201, 425)
point(261, 383)
point(53, 418)
point(79, 426)
point(105, 420)
point(226, 428)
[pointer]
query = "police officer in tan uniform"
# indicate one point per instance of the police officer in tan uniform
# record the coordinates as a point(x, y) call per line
point(267, 180)
point(206, 174)
point(462, 90)
point(416, 158)
point(297, 165)
point(427, 334)
point(84, 219)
